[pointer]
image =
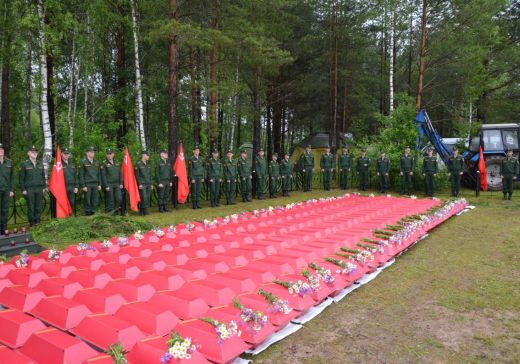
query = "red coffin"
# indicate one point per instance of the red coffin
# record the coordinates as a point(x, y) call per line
point(100, 300)
point(182, 304)
point(147, 351)
point(20, 297)
point(148, 317)
point(51, 346)
point(17, 328)
point(60, 312)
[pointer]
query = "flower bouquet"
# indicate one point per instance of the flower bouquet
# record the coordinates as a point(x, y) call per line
point(23, 260)
point(84, 247)
point(360, 256)
point(158, 232)
point(312, 279)
point(106, 244)
point(54, 254)
point(254, 320)
point(172, 229)
point(224, 331)
point(117, 352)
point(178, 348)
point(138, 235)
point(298, 288)
point(277, 304)
point(345, 267)
point(324, 275)
point(122, 240)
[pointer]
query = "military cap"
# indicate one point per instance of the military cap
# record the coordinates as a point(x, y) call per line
point(507, 150)
point(164, 150)
point(243, 151)
point(1, 146)
point(407, 147)
point(214, 151)
point(196, 147)
point(363, 149)
point(275, 154)
point(327, 146)
point(110, 151)
point(286, 153)
point(65, 151)
point(455, 148)
point(144, 152)
point(382, 152)
point(32, 148)
point(431, 149)
point(261, 149)
point(89, 149)
point(308, 146)
point(229, 151)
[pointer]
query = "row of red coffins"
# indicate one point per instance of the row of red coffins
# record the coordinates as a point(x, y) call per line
point(169, 296)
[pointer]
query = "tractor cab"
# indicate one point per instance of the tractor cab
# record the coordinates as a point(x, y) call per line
point(495, 140)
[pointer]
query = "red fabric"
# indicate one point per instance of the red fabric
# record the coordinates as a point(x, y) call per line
point(483, 172)
point(58, 189)
point(129, 181)
point(180, 170)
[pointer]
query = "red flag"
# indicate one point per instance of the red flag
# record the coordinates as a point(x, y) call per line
point(183, 188)
point(58, 189)
point(483, 172)
point(129, 182)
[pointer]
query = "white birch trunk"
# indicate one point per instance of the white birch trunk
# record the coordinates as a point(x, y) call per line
point(47, 136)
point(71, 92)
point(391, 68)
point(138, 86)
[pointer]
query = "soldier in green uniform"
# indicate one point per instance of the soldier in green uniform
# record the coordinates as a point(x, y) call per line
point(455, 170)
point(71, 176)
point(430, 170)
point(286, 170)
point(143, 176)
point(244, 173)
point(363, 166)
point(90, 180)
point(197, 174)
point(6, 188)
point(383, 170)
point(214, 175)
point(112, 182)
point(406, 166)
point(306, 163)
point(164, 178)
point(260, 171)
point(274, 175)
point(344, 166)
point(32, 184)
point(508, 172)
point(327, 167)
point(230, 176)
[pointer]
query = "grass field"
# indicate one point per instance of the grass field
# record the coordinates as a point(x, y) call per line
point(453, 298)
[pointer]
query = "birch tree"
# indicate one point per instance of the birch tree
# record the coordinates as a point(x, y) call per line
point(138, 85)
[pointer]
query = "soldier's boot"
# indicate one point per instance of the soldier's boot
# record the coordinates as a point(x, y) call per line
point(217, 202)
point(505, 196)
point(244, 199)
point(509, 196)
point(193, 204)
point(164, 208)
point(2, 229)
point(160, 208)
point(198, 204)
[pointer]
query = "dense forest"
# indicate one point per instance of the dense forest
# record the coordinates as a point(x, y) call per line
point(149, 73)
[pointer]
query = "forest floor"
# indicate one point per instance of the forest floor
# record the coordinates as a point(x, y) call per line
point(453, 298)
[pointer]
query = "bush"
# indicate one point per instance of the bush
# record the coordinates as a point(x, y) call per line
point(63, 232)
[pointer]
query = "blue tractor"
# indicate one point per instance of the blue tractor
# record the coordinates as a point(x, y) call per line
point(495, 140)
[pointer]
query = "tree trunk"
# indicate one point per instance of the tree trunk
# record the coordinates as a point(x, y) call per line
point(28, 95)
point(257, 112)
point(50, 81)
point(423, 53)
point(239, 120)
point(173, 64)
point(121, 81)
point(220, 116)
point(410, 47)
point(72, 86)
point(391, 66)
point(195, 96)
point(333, 126)
point(213, 90)
point(138, 86)
point(46, 126)
point(268, 129)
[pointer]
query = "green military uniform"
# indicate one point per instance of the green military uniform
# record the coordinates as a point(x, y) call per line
point(306, 163)
point(32, 180)
point(244, 173)
point(230, 175)
point(455, 168)
point(214, 175)
point(327, 167)
point(6, 188)
point(286, 170)
point(261, 174)
point(197, 174)
point(71, 179)
point(508, 171)
point(383, 170)
point(430, 169)
point(363, 166)
point(111, 180)
point(163, 177)
point(406, 166)
point(90, 177)
point(143, 176)
point(274, 177)
point(344, 166)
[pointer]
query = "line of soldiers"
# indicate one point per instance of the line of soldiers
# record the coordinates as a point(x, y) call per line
point(231, 171)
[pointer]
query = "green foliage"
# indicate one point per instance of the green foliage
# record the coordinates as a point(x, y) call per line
point(62, 232)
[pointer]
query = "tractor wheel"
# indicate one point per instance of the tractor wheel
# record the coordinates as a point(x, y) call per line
point(493, 172)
